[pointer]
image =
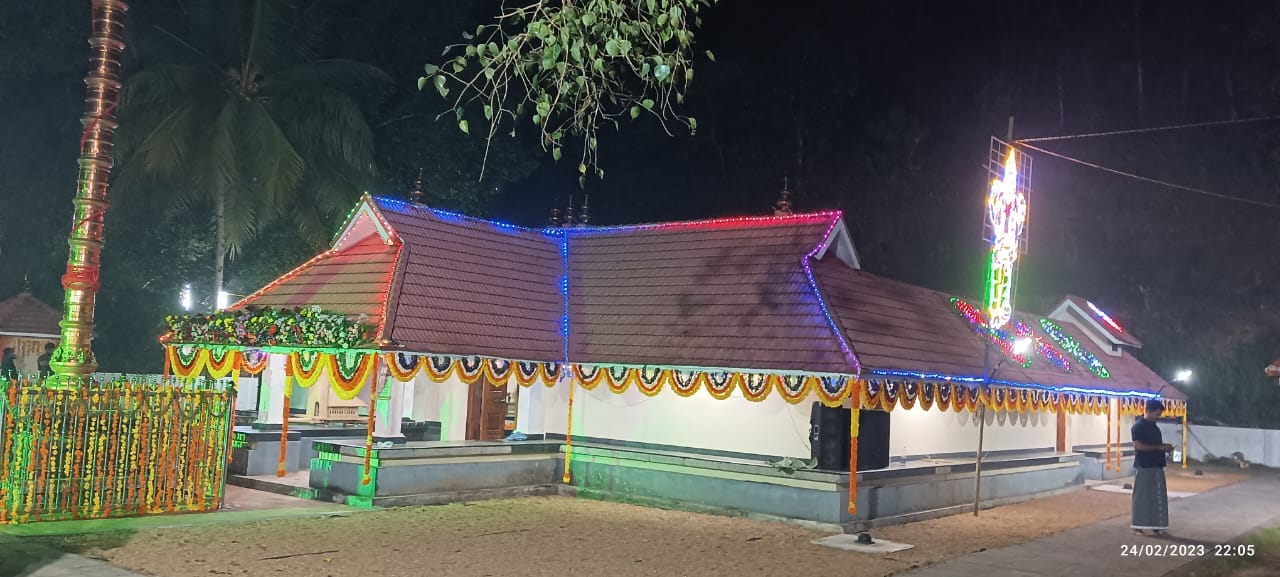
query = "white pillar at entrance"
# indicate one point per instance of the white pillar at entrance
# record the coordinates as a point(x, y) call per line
point(410, 400)
point(390, 407)
point(530, 417)
point(271, 404)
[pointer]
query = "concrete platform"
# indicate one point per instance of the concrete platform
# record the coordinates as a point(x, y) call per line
point(257, 452)
point(435, 472)
point(1093, 459)
point(901, 493)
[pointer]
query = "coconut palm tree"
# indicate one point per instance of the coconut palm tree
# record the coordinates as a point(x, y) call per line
point(237, 115)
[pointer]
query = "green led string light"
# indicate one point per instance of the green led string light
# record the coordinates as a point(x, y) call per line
point(1074, 348)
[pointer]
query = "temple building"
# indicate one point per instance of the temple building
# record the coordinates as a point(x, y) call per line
point(729, 365)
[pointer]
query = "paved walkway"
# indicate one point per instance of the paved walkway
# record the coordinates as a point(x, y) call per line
point(1208, 519)
point(19, 558)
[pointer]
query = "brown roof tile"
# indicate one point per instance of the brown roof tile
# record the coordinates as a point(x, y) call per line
point(350, 281)
point(472, 287)
point(729, 294)
point(713, 294)
point(25, 314)
point(896, 326)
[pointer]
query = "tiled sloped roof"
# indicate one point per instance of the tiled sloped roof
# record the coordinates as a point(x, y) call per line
point(350, 281)
point(1127, 372)
point(471, 287)
point(901, 327)
point(25, 314)
point(729, 294)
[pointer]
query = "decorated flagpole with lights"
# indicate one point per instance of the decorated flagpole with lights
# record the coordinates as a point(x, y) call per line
point(1006, 218)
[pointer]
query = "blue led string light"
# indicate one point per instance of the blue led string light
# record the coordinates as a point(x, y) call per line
point(564, 293)
point(822, 303)
point(459, 217)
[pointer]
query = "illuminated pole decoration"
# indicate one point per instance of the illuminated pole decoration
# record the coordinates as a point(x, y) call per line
point(74, 358)
point(1007, 217)
point(1006, 220)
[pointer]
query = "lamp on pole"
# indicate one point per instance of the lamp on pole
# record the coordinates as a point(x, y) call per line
point(1183, 376)
point(1020, 347)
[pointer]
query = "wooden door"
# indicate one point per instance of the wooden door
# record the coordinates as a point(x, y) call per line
point(486, 412)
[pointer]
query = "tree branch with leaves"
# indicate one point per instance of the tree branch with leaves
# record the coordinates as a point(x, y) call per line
point(573, 66)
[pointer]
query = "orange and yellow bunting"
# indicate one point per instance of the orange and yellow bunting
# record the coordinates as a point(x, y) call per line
point(190, 361)
point(755, 387)
point(348, 373)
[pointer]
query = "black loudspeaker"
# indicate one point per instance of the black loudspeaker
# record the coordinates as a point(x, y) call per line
point(829, 438)
point(873, 440)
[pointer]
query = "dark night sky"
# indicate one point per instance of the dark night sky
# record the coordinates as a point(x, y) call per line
point(882, 109)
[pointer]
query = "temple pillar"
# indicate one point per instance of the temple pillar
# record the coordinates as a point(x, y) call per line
point(271, 399)
point(530, 416)
point(390, 407)
point(410, 399)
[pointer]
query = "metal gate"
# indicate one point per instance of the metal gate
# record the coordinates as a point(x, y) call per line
point(112, 448)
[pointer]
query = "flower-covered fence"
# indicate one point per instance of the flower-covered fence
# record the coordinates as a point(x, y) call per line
point(112, 448)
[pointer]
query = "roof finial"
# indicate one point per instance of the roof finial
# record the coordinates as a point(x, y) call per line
point(584, 217)
point(568, 213)
point(26, 283)
point(783, 206)
point(555, 214)
point(416, 195)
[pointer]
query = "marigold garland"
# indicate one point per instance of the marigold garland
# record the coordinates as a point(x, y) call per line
point(306, 367)
point(220, 362)
point(367, 478)
point(855, 406)
point(348, 373)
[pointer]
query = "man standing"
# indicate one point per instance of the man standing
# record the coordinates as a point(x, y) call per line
point(9, 364)
point(42, 362)
point(1150, 496)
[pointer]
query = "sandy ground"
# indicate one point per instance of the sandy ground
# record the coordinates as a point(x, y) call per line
point(554, 537)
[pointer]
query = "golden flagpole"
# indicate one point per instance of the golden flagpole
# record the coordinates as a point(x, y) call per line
point(73, 360)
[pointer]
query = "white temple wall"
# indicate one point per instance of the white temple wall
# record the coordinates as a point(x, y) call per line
point(917, 432)
point(770, 427)
point(445, 403)
point(1085, 430)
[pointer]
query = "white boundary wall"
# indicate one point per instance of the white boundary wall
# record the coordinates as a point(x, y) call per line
point(1261, 446)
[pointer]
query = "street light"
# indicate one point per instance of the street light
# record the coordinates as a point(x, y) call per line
point(186, 299)
point(1183, 376)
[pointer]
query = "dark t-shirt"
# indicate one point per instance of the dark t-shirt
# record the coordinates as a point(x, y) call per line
point(1147, 432)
